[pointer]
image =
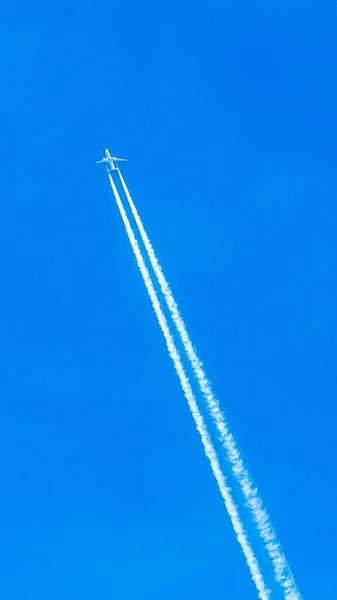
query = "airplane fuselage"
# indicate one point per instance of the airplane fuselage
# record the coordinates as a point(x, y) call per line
point(109, 159)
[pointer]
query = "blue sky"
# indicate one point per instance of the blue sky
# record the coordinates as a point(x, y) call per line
point(227, 113)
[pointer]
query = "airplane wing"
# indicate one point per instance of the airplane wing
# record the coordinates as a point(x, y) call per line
point(120, 159)
point(100, 161)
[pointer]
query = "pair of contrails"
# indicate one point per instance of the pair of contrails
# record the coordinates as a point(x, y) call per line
point(252, 500)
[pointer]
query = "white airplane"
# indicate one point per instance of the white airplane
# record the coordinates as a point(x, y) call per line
point(110, 160)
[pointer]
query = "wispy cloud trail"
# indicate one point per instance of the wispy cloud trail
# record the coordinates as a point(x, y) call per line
point(209, 450)
point(260, 516)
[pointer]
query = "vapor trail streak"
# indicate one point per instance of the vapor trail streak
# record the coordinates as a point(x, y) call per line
point(225, 491)
point(260, 516)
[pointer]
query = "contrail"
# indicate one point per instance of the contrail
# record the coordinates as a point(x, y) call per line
point(225, 491)
point(260, 516)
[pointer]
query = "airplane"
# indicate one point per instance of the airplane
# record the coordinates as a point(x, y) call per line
point(110, 160)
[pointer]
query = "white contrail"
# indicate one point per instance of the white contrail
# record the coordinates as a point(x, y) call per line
point(225, 491)
point(261, 518)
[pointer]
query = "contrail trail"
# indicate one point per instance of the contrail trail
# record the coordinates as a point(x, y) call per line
point(209, 450)
point(260, 516)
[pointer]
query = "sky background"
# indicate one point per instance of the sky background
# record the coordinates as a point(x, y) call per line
point(227, 113)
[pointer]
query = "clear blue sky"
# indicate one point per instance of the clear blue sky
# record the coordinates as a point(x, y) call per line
point(227, 113)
